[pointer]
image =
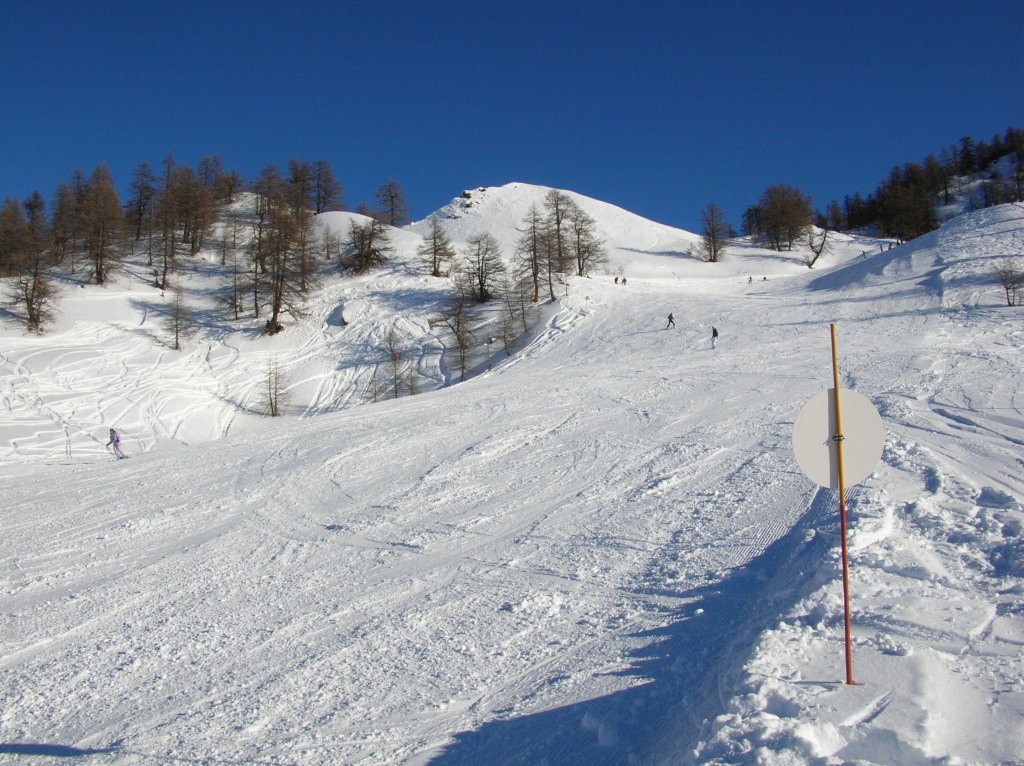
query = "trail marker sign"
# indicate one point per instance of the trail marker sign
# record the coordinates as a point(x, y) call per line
point(821, 450)
point(814, 438)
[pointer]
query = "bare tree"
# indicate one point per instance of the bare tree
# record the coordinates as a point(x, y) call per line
point(368, 246)
point(302, 188)
point(817, 242)
point(436, 251)
point(209, 170)
point(375, 387)
point(395, 352)
point(532, 250)
point(24, 253)
point(782, 216)
point(275, 389)
point(557, 205)
point(235, 262)
point(34, 285)
point(515, 295)
point(482, 266)
point(392, 208)
point(1010, 276)
point(14, 236)
point(142, 204)
point(179, 320)
point(326, 191)
point(102, 222)
point(455, 317)
point(64, 225)
point(36, 292)
point(584, 243)
point(715, 236)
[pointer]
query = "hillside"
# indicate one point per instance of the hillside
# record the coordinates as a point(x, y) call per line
point(599, 551)
point(107, 360)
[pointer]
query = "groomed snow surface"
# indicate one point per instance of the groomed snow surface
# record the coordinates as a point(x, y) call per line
point(600, 551)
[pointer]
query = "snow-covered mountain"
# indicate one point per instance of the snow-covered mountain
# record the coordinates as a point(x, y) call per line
point(599, 551)
point(500, 212)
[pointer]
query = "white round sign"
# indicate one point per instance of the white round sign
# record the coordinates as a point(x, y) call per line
point(814, 444)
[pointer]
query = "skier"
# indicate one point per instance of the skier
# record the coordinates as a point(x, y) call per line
point(714, 336)
point(671, 321)
point(115, 444)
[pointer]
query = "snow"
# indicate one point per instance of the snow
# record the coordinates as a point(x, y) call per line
point(599, 551)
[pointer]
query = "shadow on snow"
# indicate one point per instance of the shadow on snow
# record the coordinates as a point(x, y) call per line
point(684, 676)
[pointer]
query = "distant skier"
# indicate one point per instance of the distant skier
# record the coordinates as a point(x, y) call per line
point(714, 336)
point(671, 321)
point(115, 444)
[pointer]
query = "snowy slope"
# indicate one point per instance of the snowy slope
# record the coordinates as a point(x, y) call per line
point(500, 210)
point(601, 551)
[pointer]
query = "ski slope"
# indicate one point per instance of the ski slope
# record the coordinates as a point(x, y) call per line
point(601, 551)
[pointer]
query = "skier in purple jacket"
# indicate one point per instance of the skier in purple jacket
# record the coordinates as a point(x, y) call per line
point(115, 444)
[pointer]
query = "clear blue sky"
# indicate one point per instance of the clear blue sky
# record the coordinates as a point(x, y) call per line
point(660, 107)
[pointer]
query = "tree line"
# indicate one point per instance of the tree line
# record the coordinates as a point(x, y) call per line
point(169, 214)
point(270, 253)
point(903, 204)
point(902, 207)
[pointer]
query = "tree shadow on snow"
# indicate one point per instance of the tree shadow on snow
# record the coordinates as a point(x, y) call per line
point(50, 750)
point(685, 673)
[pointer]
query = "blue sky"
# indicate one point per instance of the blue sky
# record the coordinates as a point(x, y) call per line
point(659, 107)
